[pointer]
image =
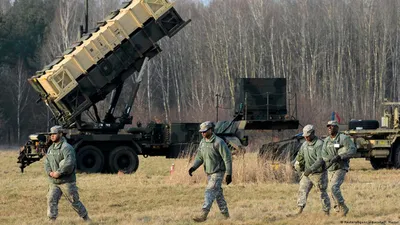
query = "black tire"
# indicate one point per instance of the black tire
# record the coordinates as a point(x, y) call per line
point(363, 124)
point(378, 163)
point(123, 158)
point(396, 157)
point(90, 159)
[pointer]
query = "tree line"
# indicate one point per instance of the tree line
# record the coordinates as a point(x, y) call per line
point(336, 56)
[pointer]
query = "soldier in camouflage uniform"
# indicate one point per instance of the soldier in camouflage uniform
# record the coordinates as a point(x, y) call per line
point(337, 150)
point(309, 161)
point(217, 159)
point(60, 167)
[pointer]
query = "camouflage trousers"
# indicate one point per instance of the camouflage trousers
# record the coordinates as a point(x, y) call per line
point(70, 191)
point(320, 180)
point(214, 192)
point(336, 179)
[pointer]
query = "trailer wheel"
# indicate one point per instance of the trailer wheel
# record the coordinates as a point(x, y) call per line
point(123, 158)
point(364, 124)
point(90, 159)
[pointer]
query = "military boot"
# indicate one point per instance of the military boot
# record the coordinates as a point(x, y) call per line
point(226, 215)
point(326, 213)
point(87, 219)
point(299, 210)
point(201, 217)
point(343, 209)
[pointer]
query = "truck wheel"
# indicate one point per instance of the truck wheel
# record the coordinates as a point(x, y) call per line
point(377, 163)
point(364, 124)
point(90, 159)
point(123, 158)
point(396, 159)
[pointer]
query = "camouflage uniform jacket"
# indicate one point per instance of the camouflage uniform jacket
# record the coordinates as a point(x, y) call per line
point(215, 155)
point(340, 145)
point(309, 156)
point(57, 152)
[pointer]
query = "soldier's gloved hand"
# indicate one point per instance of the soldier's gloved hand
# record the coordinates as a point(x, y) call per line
point(191, 170)
point(228, 179)
point(334, 159)
point(307, 172)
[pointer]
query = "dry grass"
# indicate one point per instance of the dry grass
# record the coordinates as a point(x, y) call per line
point(259, 195)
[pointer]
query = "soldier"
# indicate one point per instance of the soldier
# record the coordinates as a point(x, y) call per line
point(309, 160)
point(337, 150)
point(60, 167)
point(217, 159)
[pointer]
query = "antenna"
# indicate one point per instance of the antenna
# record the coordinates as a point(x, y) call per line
point(82, 30)
point(86, 16)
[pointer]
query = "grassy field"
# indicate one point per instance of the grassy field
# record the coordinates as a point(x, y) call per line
point(259, 194)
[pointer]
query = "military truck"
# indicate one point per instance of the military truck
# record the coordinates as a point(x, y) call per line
point(99, 64)
point(88, 71)
point(380, 144)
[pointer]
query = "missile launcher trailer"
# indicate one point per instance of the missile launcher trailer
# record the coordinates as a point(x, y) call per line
point(93, 67)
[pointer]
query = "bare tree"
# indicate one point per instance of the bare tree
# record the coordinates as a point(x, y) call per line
point(64, 29)
point(19, 92)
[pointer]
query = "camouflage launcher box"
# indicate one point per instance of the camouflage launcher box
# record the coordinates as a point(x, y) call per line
point(102, 59)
